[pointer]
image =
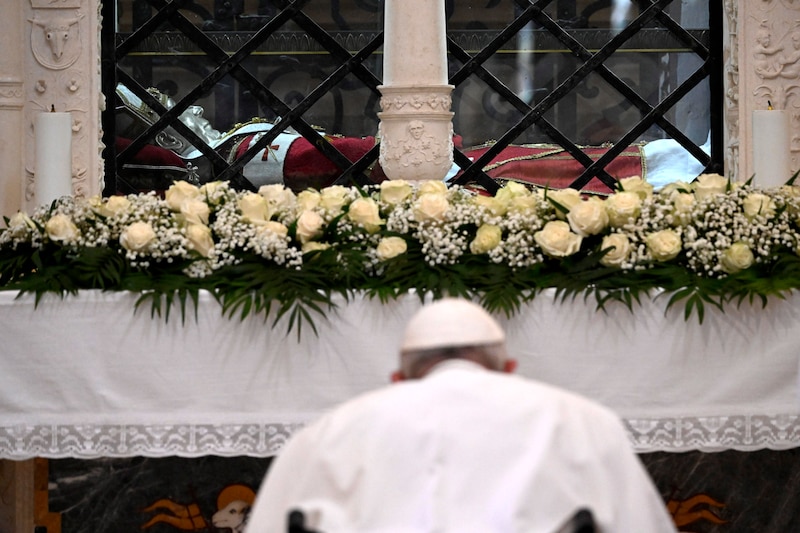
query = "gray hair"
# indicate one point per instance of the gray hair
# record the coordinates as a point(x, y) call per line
point(416, 363)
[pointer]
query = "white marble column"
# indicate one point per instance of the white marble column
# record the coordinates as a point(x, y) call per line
point(415, 46)
point(416, 127)
point(12, 81)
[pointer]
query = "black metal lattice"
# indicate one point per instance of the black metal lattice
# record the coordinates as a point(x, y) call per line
point(464, 66)
point(533, 11)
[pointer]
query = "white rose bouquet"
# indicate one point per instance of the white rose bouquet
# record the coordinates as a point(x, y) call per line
point(705, 242)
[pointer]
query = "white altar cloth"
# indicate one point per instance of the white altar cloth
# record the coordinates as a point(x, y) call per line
point(86, 376)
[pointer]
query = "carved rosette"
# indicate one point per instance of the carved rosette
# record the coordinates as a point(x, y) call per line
point(416, 132)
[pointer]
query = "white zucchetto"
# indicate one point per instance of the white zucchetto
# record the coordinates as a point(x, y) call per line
point(451, 322)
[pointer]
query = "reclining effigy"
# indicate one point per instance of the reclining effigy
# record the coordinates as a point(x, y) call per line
point(292, 160)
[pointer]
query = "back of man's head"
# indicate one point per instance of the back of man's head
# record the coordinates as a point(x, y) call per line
point(451, 328)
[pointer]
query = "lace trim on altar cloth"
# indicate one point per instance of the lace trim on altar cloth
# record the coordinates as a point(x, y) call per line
point(190, 440)
point(715, 433)
point(17, 442)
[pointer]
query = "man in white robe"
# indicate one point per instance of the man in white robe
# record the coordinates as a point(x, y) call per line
point(459, 445)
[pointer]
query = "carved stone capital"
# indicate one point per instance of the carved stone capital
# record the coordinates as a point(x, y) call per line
point(416, 132)
point(417, 99)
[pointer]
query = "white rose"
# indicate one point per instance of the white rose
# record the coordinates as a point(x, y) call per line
point(272, 226)
point(486, 238)
point(620, 249)
point(736, 257)
point(676, 186)
point(114, 205)
point(557, 240)
point(199, 237)
point(664, 245)
point(395, 191)
point(95, 200)
point(137, 237)
point(390, 247)
point(432, 187)
point(512, 189)
point(20, 220)
point(60, 228)
point(278, 197)
point(313, 246)
point(333, 198)
point(588, 217)
point(495, 205)
point(682, 205)
point(209, 189)
point(179, 192)
point(254, 208)
point(308, 199)
point(623, 207)
point(309, 226)
point(638, 185)
point(563, 200)
point(756, 204)
point(365, 213)
point(195, 211)
point(792, 191)
point(431, 207)
point(708, 185)
point(523, 204)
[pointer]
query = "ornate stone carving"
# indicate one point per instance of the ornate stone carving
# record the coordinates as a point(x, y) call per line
point(11, 93)
point(55, 40)
point(62, 90)
point(431, 102)
point(786, 4)
point(766, 53)
point(732, 89)
point(417, 150)
point(776, 53)
point(55, 4)
point(776, 64)
point(65, 91)
point(416, 132)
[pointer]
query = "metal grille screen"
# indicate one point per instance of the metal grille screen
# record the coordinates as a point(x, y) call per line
point(554, 72)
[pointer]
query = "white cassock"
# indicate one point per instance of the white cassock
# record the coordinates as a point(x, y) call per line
point(463, 450)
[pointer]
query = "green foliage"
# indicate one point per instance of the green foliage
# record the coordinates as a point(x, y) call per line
point(304, 296)
point(296, 277)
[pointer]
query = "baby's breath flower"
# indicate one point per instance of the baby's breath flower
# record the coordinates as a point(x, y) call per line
point(710, 228)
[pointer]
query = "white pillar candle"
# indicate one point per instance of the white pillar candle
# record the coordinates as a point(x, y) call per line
point(414, 43)
point(53, 146)
point(771, 152)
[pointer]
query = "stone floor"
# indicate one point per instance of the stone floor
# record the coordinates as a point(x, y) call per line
point(726, 492)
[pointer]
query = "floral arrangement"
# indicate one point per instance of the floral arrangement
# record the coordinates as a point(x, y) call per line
point(707, 243)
